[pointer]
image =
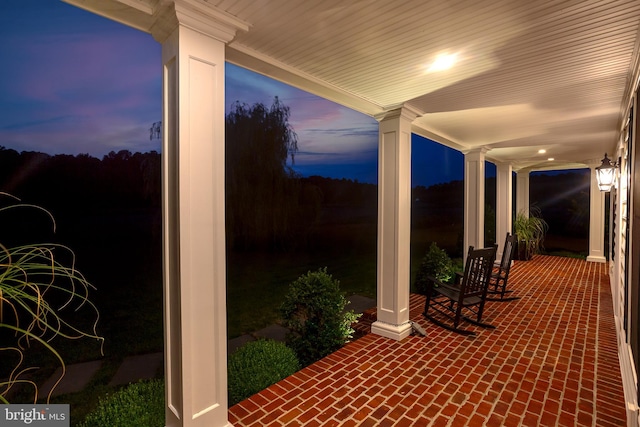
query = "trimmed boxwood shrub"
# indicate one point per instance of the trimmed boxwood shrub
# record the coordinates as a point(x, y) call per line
point(257, 365)
point(314, 312)
point(140, 404)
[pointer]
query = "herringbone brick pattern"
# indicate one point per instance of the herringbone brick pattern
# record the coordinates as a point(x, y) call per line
point(551, 361)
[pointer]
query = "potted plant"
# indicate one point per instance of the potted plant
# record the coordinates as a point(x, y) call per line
point(435, 264)
point(530, 230)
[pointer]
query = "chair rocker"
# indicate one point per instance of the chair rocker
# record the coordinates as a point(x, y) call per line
point(449, 301)
point(500, 274)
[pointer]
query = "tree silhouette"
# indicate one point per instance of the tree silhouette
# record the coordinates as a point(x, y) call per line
point(262, 189)
point(155, 130)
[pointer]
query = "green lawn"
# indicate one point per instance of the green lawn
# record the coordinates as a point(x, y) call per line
point(258, 282)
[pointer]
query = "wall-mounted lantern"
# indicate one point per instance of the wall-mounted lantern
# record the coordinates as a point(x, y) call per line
point(606, 174)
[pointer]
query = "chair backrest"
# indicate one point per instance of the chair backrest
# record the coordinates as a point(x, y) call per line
point(507, 252)
point(477, 271)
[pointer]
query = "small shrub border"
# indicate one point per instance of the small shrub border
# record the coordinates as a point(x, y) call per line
point(139, 404)
point(257, 365)
point(252, 368)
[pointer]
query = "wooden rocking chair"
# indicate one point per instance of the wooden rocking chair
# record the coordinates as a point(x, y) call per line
point(470, 294)
point(500, 274)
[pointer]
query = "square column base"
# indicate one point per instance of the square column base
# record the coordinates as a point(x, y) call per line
point(395, 332)
point(596, 258)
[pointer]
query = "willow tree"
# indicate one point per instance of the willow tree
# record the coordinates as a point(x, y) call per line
point(262, 188)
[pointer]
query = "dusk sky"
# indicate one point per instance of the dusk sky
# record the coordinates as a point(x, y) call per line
point(73, 82)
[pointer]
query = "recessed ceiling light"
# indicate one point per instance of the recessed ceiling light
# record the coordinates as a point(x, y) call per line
point(443, 62)
point(551, 159)
point(542, 151)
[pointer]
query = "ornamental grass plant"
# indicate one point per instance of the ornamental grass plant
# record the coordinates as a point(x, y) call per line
point(530, 231)
point(42, 296)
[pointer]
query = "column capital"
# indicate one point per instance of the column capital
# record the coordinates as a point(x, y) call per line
point(522, 171)
point(475, 154)
point(197, 15)
point(405, 111)
point(481, 149)
point(502, 164)
point(162, 17)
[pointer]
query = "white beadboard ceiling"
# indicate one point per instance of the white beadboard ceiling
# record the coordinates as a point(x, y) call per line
point(530, 74)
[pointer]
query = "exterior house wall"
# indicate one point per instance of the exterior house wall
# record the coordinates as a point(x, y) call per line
point(623, 272)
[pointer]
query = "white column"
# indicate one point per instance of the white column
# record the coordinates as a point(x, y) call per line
point(522, 192)
point(504, 203)
point(474, 199)
point(193, 36)
point(394, 224)
point(596, 220)
point(193, 55)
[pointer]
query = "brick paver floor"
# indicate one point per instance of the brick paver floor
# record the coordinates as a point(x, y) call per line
point(551, 361)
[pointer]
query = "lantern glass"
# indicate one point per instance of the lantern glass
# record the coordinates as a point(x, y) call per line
point(605, 174)
point(605, 178)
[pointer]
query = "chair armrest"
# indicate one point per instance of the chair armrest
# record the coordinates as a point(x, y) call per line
point(434, 284)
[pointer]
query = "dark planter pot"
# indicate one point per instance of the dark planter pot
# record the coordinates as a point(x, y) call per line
point(523, 251)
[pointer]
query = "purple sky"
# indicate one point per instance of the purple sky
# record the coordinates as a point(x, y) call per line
point(73, 82)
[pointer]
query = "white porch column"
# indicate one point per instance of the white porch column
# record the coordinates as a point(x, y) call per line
point(522, 191)
point(474, 199)
point(596, 220)
point(504, 203)
point(394, 224)
point(193, 37)
point(193, 55)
